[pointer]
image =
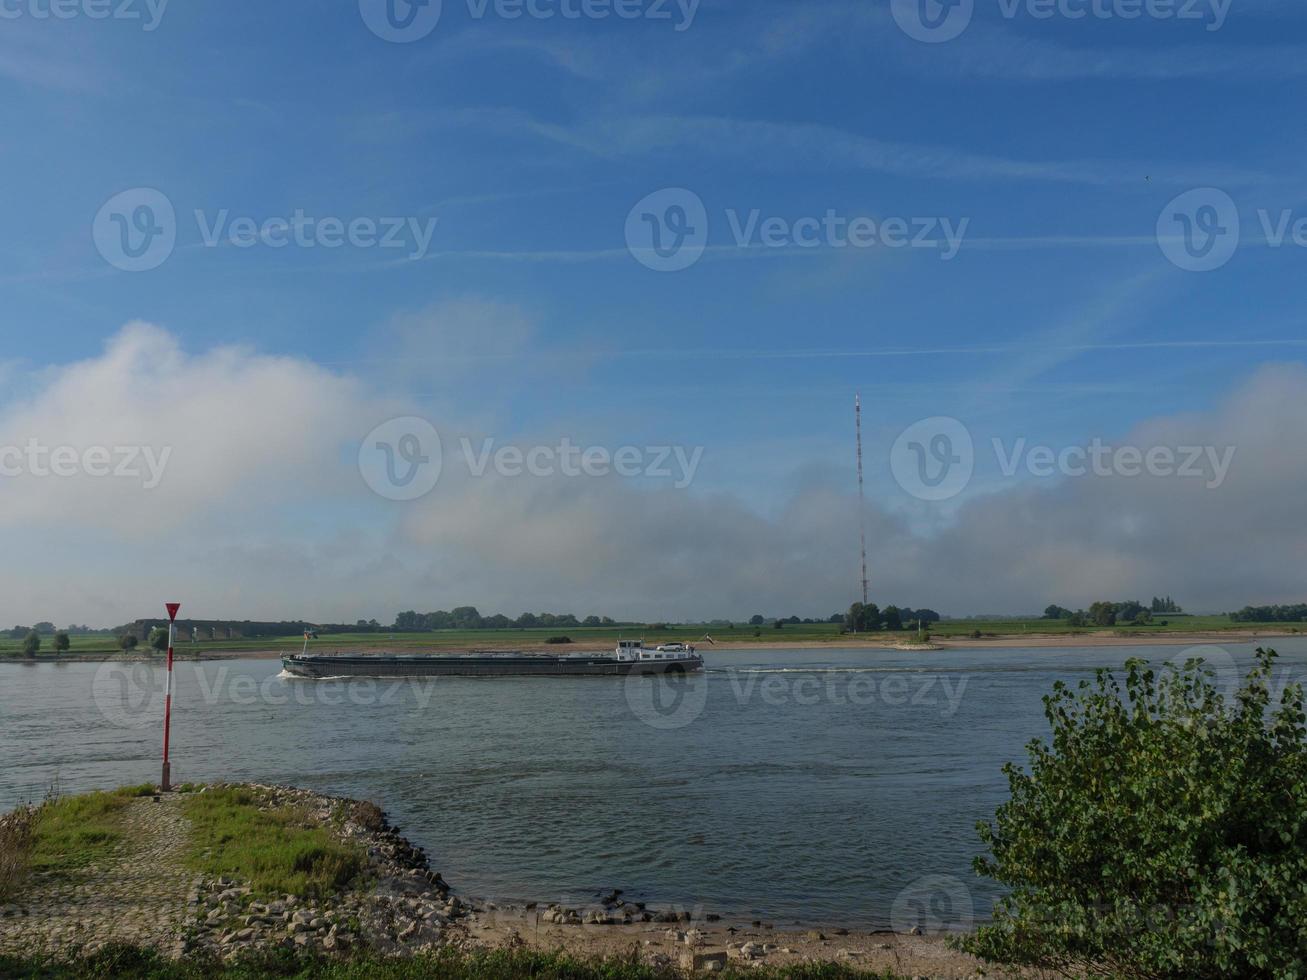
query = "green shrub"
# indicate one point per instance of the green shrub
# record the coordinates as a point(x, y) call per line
point(1160, 834)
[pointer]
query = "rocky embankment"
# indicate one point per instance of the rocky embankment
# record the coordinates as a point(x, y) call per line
point(401, 905)
point(396, 905)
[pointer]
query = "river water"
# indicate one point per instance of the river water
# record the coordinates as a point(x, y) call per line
point(820, 786)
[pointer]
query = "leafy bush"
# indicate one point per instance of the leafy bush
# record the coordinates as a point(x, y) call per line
point(1163, 834)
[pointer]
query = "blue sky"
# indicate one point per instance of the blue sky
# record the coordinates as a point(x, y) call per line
point(1056, 142)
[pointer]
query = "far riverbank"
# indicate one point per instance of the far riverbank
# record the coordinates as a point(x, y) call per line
point(903, 642)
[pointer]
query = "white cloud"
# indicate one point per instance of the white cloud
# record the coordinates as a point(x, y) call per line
point(233, 432)
point(262, 514)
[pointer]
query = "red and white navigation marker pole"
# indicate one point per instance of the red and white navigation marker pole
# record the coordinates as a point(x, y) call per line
point(165, 784)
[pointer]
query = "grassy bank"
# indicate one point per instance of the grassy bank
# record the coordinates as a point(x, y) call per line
point(76, 831)
point(126, 961)
point(278, 851)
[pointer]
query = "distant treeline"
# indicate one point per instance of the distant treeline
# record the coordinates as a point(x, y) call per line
point(1296, 613)
point(870, 618)
point(1107, 613)
point(468, 618)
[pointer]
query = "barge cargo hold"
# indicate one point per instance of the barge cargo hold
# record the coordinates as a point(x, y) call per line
point(630, 657)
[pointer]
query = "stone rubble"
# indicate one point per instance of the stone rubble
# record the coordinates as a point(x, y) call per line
point(402, 906)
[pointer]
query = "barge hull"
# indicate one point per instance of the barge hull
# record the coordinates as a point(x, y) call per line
point(322, 667)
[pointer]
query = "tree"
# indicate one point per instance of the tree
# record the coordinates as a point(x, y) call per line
point(159, 639)
point(1158, 832)
point(31, 643)
point(1128, 610)
point(1143, 617)
point(465, 618)
point(61, 642)
point(45, 629)
point(127, 642)
point(1056, 612)
point(863, 619)
point(591, 621)
point(893, 621)
point(756, 620)
point(1103, 614)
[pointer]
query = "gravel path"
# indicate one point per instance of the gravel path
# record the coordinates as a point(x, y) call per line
point(139, 895)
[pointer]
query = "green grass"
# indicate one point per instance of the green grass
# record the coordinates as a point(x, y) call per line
point(78, 831)
point(130, 962)
point(276, 851)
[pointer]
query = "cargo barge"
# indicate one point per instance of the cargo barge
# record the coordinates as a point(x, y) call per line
point(630, 657)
